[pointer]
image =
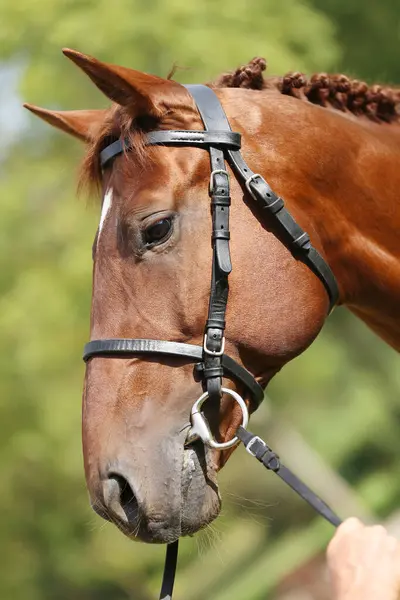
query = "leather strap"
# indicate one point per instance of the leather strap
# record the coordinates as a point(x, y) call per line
point(228, 139)
point(214, 118)
point(124, 348)
point(267, 457)
point(185, 137)
point(171, 559)
point(209, 107)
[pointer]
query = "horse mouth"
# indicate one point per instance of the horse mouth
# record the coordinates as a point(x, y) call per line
point(165, 517)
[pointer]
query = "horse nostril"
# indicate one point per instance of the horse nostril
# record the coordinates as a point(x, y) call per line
point(119, 498)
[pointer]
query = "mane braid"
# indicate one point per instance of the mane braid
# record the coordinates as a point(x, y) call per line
point(378, 103)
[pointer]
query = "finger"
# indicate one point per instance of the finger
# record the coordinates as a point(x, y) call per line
point(349, 526)
point(378, 532)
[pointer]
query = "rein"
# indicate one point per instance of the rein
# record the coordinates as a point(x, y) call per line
point(211, 362)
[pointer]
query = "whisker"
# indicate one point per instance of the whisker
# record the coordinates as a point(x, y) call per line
point(249, 501)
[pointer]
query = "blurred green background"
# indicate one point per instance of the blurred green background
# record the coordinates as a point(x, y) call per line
point(333, 414)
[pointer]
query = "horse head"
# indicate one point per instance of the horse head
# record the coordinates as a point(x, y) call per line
point(152, 260)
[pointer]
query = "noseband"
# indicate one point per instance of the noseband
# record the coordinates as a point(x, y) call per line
point(211, 362)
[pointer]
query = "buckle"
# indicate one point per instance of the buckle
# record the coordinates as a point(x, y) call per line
point(213, 173)
point(252, 442)
point(214, 352)
point(249, 180)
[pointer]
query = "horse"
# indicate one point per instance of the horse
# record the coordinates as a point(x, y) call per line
point(330, 147)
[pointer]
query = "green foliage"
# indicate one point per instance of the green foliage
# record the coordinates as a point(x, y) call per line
point(343, 396)
point(369, 37)
point(206, 37)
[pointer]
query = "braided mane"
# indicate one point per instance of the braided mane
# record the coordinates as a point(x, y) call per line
point(379, 103)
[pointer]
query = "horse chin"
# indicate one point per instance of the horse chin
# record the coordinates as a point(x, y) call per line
point(201, 501)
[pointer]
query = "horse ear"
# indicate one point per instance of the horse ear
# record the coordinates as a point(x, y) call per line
point(146, 94)
point(82, 124)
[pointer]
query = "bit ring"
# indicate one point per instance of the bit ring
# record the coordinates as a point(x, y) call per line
point(200, 427)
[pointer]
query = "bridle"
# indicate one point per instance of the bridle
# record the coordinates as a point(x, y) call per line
point(211, 362)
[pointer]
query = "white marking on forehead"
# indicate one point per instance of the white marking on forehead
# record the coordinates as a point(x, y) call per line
point(105, 209)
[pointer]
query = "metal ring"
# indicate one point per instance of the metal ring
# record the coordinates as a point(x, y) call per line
point(200, 428)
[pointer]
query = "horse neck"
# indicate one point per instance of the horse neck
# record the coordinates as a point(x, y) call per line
point(359, 225)
point(340, 177)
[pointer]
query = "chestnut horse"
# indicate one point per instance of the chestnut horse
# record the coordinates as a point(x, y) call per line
point(331, 148)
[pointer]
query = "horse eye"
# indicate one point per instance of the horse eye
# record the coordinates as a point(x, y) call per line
point(158, 232)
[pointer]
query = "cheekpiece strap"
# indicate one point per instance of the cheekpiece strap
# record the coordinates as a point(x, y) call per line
point(214, 118)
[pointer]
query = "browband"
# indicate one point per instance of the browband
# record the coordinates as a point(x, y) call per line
point(228, 139)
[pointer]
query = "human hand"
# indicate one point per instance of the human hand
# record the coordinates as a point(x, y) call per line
point(364, 563)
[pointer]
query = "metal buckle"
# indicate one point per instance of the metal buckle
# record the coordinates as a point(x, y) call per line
point(200, 428)
point(249, 180)
point(214, 352)
point(213, 173)
point(252, 442)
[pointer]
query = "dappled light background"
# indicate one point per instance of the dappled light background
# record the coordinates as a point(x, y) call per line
point(333, 414)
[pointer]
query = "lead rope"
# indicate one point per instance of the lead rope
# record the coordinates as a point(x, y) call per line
point(171, 559)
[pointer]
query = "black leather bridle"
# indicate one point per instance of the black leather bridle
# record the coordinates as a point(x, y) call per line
point(211, 363)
